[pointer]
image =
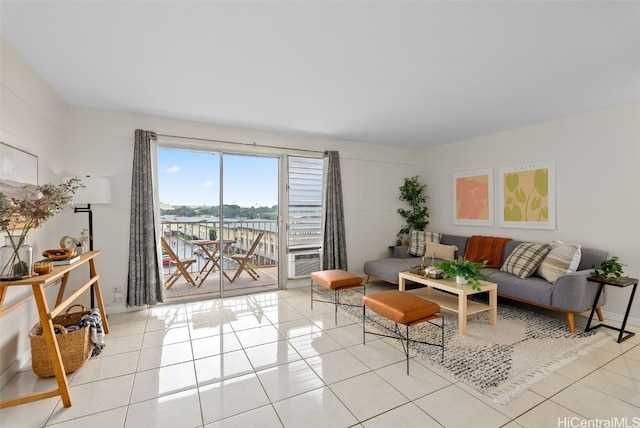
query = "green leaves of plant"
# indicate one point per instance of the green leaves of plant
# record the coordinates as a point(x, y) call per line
point(609, 269)
point(412, 191)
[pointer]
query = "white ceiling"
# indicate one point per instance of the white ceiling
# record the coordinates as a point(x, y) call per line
point(411, 74)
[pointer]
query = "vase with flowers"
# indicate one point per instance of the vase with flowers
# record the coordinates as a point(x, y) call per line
point(18, 215)
point(82, 241)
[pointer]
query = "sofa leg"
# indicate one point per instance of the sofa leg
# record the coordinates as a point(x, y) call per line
point(599, 312)
point(366, 279)
point(572, 322)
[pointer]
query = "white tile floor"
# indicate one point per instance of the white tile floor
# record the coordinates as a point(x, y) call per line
point(268, 360)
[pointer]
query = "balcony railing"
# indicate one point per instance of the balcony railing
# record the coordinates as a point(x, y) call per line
point(243, 232)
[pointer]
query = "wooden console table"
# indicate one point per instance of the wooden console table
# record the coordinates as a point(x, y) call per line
point(39, 283)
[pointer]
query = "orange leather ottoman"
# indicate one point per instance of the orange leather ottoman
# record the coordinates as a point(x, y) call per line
point(405, 308)
point(336, 280)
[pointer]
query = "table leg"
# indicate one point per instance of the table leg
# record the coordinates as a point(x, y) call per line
point(95, 288)
point(493, 303)
point(462, 314)
point(626, 316)
point(204, 272)
point(593, 309)
point(63, 286)
point(52, 343)
point(401, 285)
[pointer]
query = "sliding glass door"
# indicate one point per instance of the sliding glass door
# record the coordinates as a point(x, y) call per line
point(219, 212)
point(250, 213)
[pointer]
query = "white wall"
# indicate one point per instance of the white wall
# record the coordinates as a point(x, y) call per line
point(33, 119)
point(597, 158)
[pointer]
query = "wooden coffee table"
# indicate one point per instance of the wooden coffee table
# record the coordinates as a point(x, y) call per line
point(453, 297)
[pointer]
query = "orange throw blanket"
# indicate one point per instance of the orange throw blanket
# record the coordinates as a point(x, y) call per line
point(490, 248)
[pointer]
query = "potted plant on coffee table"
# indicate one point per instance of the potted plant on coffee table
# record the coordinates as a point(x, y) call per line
point(465, 271)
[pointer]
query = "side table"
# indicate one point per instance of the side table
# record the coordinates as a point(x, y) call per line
point(626, 282)
point(38, 283)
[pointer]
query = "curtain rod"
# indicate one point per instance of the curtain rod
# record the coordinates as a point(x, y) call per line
point(240, 144)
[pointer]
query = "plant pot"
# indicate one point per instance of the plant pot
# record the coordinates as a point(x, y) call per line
point(461, 280)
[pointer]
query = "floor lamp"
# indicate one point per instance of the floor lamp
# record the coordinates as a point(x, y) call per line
point(95, 191)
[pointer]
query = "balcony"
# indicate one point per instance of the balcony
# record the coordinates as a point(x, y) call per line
point(181, 231)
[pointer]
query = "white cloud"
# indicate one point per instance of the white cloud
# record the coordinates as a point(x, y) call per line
point(172, 169)
point(207, 184)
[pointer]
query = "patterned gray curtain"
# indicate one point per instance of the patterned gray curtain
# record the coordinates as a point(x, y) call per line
point(334, 248)
point(144, 285)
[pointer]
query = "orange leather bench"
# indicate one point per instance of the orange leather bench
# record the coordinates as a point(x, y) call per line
point(405, 308)
point(336, 280)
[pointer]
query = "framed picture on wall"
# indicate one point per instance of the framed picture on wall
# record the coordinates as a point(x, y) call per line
point(18, 169)
point(527, 195)
point(473, 197)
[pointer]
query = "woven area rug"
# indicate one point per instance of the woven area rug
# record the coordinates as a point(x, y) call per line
point(499, 361)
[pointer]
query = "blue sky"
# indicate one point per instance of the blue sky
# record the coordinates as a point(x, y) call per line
point(193, 178)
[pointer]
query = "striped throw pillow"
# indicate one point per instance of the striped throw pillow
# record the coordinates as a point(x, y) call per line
point(418, 240)
point(562, 259)
point(525, 259)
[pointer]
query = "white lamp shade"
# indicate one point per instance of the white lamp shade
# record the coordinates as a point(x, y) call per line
point(96, 191)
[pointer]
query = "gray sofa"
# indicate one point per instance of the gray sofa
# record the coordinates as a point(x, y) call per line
point(571, 293)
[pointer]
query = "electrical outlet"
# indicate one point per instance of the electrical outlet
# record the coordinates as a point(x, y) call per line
point(117, 295)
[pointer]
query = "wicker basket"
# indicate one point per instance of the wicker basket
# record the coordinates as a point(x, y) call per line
point(75, 346)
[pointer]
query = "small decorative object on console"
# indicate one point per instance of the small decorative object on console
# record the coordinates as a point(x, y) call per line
point(434, 273)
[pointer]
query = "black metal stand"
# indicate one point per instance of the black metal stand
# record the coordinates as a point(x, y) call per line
point(603, 282)
point(87, 209)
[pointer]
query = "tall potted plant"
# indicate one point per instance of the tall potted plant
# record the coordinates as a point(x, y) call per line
point(417, 216)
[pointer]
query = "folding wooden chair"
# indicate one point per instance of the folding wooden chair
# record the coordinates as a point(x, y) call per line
point(182, 266)
point(244, 259)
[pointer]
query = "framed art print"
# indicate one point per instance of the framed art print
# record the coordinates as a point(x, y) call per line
point(18, 172)
point(527, 195)
point(473, 197)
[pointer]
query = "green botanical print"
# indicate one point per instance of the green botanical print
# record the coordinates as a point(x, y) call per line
point(525, 196)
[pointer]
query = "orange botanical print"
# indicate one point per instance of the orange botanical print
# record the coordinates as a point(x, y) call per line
point(472, 197)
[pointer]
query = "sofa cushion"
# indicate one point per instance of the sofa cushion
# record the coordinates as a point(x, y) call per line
point(525, 259)
point(418, 240)
point(457, 240)
point(388, 269)
point(440, 251)
point(533, 289)
point(562, 258)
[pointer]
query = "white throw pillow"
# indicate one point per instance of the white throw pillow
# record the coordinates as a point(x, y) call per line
point(440, 251)
point(562, 259)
